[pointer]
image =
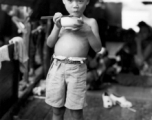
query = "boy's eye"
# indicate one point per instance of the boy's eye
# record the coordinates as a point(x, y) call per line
point(70, 0)
point(77, 0)
point(80, 0)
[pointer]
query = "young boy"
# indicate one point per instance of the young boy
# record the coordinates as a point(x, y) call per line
point(66, 79)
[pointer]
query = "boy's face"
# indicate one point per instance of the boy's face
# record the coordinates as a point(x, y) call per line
point(75, 7)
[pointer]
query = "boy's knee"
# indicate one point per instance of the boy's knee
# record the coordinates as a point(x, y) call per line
point(77, 114)
point(58, 111)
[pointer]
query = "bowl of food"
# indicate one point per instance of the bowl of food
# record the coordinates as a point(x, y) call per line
point(69, 22)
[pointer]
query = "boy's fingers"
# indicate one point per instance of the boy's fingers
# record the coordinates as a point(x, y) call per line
point(77, 26)
point(80, 21)
point(59, 13)
point(80, 24)
point(57, 22)
point(57, 16)
point(57, 19)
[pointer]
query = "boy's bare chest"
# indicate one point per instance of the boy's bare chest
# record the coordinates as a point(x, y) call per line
point(79, 34)
point(77, 38)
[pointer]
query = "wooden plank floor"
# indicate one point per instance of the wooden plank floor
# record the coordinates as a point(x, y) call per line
point(37, 109)
point(23, 97)
point(6, 87)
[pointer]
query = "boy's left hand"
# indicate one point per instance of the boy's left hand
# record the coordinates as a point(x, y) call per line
point(86, 28)
point(78, 25)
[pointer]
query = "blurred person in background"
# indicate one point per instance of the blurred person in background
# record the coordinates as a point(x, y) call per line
point(143, 57)
point(136, 57)
point(21, 18)
point(137, 50)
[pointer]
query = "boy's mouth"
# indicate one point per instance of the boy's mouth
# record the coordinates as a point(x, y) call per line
point(76, 14)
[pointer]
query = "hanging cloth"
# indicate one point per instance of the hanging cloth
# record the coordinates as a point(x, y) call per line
point(4, 55)
point(20, 51)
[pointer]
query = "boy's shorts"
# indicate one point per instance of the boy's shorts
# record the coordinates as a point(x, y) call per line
point(66, 85)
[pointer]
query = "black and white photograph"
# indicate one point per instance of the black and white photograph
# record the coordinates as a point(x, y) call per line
point(75, 59)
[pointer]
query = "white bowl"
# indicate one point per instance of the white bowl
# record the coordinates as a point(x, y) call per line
point(70, 21)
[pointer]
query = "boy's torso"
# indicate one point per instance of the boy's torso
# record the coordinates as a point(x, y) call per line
point(72, 43)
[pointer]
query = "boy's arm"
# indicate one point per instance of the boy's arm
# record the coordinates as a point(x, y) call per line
point(53, 37)
point(93, 36)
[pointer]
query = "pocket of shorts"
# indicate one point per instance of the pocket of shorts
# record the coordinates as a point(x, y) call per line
point(51, 66)
point(83, 67)
point(74, 67)
point(50, 69)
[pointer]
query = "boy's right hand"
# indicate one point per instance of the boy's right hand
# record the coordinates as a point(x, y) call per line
point(56, 19)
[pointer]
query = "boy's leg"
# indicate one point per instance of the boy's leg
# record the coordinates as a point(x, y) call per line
point(77, 114)
point(58, 113)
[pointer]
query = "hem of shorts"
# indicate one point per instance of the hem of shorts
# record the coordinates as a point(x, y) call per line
point(53, 105)
point(76, 108)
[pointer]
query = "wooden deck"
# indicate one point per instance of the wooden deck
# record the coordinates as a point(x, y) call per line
point(6, 87)
point(37, 109)
point(22, 97)
point(9, 76)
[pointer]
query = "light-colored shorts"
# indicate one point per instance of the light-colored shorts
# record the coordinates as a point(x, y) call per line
point(66, 85)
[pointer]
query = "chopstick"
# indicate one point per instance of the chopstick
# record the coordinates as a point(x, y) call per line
point(46, 17)
point(50, 17)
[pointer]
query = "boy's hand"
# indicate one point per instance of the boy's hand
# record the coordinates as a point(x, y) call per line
point(77, 25)
point(86, 28)
point(56, 19)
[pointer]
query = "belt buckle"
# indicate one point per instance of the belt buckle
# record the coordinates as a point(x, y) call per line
point(66, 60)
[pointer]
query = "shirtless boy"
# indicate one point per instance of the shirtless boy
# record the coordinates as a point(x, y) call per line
point(66, 79)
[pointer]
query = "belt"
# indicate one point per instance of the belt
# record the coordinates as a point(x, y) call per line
point(67, 61)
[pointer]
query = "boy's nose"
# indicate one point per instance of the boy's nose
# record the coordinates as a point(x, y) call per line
point(75, 4)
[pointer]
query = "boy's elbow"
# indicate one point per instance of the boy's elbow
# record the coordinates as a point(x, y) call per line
point(49, 44)
point(98, 49)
